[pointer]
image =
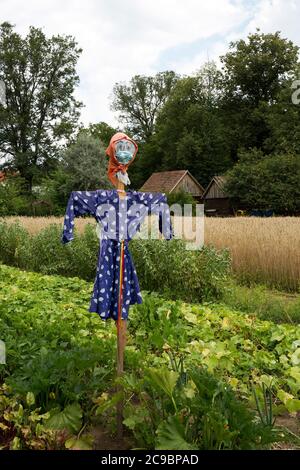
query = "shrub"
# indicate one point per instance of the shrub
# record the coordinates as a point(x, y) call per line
point(13, 201)
point(181, 197)
point(162, 266)
point(170, 268)
point(14, 241)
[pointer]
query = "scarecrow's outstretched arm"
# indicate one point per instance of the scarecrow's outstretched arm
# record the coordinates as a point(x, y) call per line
point(80, 203)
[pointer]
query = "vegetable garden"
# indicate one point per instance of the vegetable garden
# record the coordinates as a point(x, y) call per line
point(198, 376)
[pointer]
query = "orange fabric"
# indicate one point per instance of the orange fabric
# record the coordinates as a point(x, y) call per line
point(114, 166)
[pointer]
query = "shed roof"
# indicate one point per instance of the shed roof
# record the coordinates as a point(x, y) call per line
point(166, 181)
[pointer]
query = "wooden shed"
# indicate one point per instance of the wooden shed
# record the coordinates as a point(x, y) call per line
point(216, 201)
point(174, 181)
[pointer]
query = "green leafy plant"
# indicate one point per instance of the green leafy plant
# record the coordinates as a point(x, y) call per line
point(265, 409)
point(203, 273)
point(65, 357)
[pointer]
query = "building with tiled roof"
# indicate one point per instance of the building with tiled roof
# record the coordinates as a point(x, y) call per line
point(173, 181)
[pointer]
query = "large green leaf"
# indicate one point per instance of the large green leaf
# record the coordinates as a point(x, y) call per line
point(163, 379)
point(105, 405)
point(69, 418)
point(170, 436)
point(295, 357)
point(82, 443)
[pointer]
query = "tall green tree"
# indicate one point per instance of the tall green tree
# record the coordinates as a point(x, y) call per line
point(254, 72)
point(191, 132)
point(266, 181)
point(101, 131)
point(82, 167)
point(139, 102)
point(283, 119)
point(40, 113)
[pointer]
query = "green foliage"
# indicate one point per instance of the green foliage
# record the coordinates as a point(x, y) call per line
point(171, 435)
point(69, 418)
point(265, 411)
point(158, 262)
point(82, 166)
point(191, 275)
point(63, 365)
point(139, 102)
point(101, 131)
point(12, 198)
point(255, 70)
point(266, 182)
point(266, 304)
point(64, 356)
point(14, 242)
point(181, 198)
point(22, 426)
point(40, 110)
point(191, 130)
point(209, 118)
point(165, 380)
point(283, 120)
point(231, 344)
point(63, 376)
point(208, 418)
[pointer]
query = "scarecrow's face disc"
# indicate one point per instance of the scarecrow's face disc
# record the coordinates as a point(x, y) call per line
point(124, 151)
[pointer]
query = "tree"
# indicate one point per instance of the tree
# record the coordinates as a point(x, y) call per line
point(83, 167)
point(148, 160)
point(139, 102)
point(190, 130)
point(260, 181)
point(13, 198)
point(283, 119)
point(41, 112)
point(254, 72)
point(101, 131)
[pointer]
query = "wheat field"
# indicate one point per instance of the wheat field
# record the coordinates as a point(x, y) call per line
point(262, 249)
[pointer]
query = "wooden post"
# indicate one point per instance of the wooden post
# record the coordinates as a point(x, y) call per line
point(121, 330)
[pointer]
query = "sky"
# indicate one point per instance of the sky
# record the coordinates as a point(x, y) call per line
point(123, 38)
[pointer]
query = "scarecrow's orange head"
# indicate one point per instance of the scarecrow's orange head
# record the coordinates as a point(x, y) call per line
point(121, 152)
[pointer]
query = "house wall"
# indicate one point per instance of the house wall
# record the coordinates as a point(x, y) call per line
point(215, 192)
point(188, 185)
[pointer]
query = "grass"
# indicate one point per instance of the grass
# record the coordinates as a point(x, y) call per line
point(263, 250)
point(265, 303)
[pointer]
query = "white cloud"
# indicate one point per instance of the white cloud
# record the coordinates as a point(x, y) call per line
point(123, 38)
point(278, 15)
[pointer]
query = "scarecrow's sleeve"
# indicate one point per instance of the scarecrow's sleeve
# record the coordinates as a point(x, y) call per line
point(159, 205)
point(79, 203)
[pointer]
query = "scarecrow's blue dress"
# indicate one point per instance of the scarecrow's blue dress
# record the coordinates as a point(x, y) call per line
point(119, 219)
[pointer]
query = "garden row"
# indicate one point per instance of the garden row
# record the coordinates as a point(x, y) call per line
point(166, 267)
point(163, 266)
point(197, 376)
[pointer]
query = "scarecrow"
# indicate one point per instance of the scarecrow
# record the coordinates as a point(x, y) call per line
point(119, 215)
